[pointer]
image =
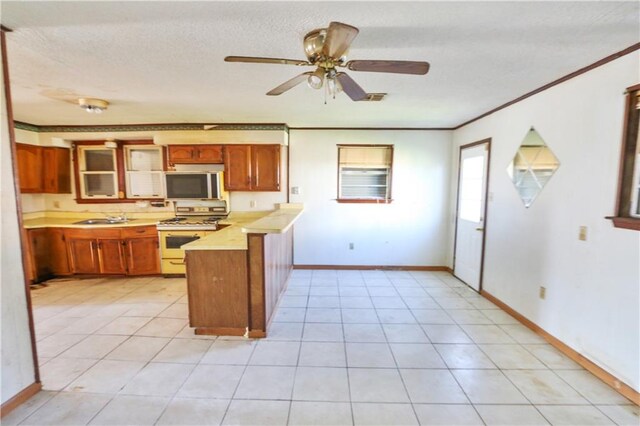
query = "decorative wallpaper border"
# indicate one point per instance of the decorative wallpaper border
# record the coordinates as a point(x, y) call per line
point(149, 127)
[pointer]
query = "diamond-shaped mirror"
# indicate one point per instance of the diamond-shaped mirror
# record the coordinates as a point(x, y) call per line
point(532, 167)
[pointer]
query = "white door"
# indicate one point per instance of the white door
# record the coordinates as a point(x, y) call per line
point(472, 189)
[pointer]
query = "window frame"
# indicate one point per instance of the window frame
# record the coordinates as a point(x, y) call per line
point(389, 185)
point(629, 170)
point(121, 187)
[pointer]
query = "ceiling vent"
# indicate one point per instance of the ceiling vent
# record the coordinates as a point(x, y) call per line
point(374, 97)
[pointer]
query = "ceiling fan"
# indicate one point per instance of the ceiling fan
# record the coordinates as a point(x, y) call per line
point(326, 49)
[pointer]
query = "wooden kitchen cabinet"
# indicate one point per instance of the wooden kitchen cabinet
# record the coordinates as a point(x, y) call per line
point(142, 256)
point(43, 169)
point(252, 167)
point(29, 168)
point(111, 256)
point(237, 167)
point(265, 164)
point(117, 251)
point(47, 253)
point(83, 254)
point(142, 250)
point(58, 258)
point(194, 154)
point(56, 170)
point(38, 241)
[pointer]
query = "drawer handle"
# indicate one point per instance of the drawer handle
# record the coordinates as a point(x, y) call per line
point(176, 263)
point(141, 231)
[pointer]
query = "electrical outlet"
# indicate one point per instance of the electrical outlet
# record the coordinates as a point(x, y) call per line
point(253, 204)
point(543, 292)
point(295, 190)
point(582, 234)
point(56, 204)
point(351, 245)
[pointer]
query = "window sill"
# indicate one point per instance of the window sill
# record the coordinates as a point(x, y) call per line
point(625, 222)
point(362, 201)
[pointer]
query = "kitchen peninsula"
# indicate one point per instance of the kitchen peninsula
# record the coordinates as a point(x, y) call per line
point(235, 276)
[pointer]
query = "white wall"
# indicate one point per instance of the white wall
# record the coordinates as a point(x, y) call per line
point(411, 231)
point(593, 298)
point(16, 359)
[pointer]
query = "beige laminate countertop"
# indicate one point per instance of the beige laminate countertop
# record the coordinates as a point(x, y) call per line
point(69, 222)
point(234, 237)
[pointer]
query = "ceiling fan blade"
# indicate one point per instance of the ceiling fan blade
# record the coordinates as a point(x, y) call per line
point(350, 87)
point(338, 39)
point(258, 60)
point(398, 67)
point(289, 84)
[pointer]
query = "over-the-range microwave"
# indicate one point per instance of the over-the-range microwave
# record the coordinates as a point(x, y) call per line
point(193, 185)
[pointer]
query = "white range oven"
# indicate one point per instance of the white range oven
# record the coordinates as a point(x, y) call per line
point(193, 220)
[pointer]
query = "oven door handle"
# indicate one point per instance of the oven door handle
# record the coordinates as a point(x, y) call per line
point(177, 263)
point(197, 237)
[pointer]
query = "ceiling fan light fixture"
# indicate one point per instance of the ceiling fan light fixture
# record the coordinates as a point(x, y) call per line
point(316, 79)
point(93, 106)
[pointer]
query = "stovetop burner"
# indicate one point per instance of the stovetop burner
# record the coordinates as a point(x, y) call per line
point(191, 222)
point(176, 219)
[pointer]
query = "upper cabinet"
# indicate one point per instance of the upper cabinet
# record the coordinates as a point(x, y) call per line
point(56, 170)
point(265, 164)
point(43, 169)
point(237, 168)
point(29, 167)
point(252, 167)
point(194, 154)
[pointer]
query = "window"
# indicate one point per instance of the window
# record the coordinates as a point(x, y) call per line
point(364, 173)
point(144, 171)
point(628, 196)
point(129, 172)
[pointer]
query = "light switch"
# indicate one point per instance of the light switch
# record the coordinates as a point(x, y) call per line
point(295, 190)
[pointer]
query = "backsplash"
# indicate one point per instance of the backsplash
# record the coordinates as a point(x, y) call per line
point(32, 203)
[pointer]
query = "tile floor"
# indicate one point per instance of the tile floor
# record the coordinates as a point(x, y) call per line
point(345, 347)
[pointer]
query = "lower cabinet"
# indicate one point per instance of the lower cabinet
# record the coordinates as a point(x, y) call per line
point(113, 251)
point(83, 255)
point(111, 256)
point(142, 256)
point(47, 253)
point(57, 256)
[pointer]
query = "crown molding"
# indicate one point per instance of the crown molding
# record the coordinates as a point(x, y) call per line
point(149, 127)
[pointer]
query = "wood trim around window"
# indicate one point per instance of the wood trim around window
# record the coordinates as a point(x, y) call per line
point(366, 200)
point(120, 164)
point(629, 148)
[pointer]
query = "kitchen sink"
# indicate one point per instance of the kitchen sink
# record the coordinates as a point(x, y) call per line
point(101, 221)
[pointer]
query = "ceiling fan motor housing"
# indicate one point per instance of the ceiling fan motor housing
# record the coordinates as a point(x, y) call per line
point(313, 44)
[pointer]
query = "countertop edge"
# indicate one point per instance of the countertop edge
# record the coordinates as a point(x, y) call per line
point(251, 229)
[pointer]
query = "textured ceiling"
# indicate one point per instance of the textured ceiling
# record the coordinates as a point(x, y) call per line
point(162, 62)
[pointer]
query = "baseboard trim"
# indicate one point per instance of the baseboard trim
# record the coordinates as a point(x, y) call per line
point(608, 378)
point(220, 331)
point(373, 267)
point(19, 398)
